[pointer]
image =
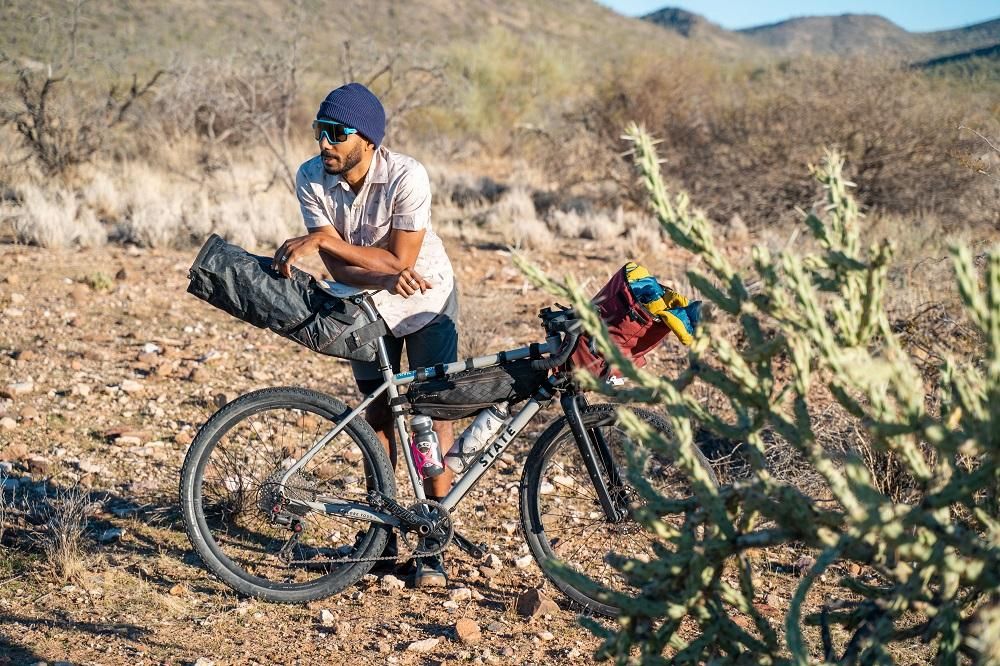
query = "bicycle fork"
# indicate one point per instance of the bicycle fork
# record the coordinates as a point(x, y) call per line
point(597, 458)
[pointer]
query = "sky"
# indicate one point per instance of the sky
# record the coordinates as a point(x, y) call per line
point(915, 15)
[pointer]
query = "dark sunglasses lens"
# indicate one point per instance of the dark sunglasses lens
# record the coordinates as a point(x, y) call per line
point(334, 131)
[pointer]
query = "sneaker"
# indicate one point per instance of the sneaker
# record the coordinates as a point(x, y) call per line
point(430, 572)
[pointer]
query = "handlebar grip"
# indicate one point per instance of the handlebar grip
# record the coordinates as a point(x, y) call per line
point(560, 357)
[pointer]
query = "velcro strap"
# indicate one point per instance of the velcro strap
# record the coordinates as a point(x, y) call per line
point(535, 350)
point(399, 400)
point(439, 370)
point(421, 374)
point(362, 336)
point(469, 365)
point(502, 356)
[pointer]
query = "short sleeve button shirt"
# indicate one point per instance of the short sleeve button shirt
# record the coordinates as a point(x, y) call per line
point(396, 195)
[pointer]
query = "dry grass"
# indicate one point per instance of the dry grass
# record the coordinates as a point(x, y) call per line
point(61, 539)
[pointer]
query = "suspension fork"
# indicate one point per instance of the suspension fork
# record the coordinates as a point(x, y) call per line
point(593, 457)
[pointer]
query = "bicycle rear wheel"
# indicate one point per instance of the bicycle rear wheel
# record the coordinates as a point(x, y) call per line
point(238, 517)
point(562, 517)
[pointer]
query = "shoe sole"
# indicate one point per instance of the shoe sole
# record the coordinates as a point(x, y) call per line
point(430, 580)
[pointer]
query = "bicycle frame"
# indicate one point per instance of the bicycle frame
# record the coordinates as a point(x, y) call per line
point(391, 384)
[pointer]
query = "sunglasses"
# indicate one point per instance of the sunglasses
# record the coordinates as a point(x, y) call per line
point(333, 131)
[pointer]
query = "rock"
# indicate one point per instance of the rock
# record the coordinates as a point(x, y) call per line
point(29, 413)
point(12, 278)
point(495, 627)
point(178, 590)
point(39, 466)
point(198, 375)
point(203, 661)
point(7, 483)
point(150, 348)
point(467, 631)
point(15, 451)
point(460, 594)
point(18, 389)
point(7, 423)
point(533, 603)
point(507, 651)
point(111, 534)
point(183, 438)
point(342, 629)
point(524, 562)
point(424, 646)
point(327, 618)
point(130, 386)
point(26, 355)
point(127, 440)
point(88, 467)
point(545, 636)
point(390, 583)
point(81, 390)
point(450, 605)
point(17, 299)
point(737, 229)
point(854, 569)
point(803, 565)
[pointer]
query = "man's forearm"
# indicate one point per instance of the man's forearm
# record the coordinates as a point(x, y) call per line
point(370, 259)
point(354, 275)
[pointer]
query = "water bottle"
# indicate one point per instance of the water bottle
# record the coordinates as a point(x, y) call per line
point(476, 437)
point(425, 447)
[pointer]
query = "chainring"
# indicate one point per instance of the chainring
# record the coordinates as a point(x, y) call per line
point(442, 531)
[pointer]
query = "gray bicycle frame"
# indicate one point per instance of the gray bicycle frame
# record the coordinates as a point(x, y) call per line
point(391, 385)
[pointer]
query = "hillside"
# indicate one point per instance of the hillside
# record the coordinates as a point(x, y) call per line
point(148, 33)
point(846, 35)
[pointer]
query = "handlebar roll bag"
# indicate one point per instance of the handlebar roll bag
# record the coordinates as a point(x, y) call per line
point(247, 287)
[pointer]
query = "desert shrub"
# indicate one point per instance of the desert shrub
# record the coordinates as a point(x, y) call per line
point(53, 220)
point(817, 326)
point(64, 522)
point(739, 138)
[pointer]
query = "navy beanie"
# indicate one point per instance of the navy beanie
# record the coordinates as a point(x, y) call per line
point(357, 107)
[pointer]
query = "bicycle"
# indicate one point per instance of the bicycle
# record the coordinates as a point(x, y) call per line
point(274, 519)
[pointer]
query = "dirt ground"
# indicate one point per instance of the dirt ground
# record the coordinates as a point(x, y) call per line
point(115, 367)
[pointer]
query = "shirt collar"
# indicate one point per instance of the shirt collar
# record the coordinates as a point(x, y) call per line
point(378, 171)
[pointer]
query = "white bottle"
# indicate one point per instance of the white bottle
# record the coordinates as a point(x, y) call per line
point(475, 438)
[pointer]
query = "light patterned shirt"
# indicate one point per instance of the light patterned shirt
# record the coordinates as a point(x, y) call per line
point(396, 194)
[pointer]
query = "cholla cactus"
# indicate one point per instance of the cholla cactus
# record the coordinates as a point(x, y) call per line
point(937, 561)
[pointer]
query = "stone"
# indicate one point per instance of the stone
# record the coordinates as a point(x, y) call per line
point(39, 466)
point(390, 583)
point(178, 590)
point(199, 375)
point(18, 389)
point(524, 562)
point(26, 355)
point(460, 594)
point(450, 605)
point(127, 440)
point(467, 631)
point(424, 646)
point(495, 627)
point(327, 618)
point(81, 390)
point(130, 386)
point(803, 565)
point(150, 348)
point(88, 467)
point(15, 451)
point(111, 534)
point(545, 636)
point(29, 413)
point(183, 438)
point(203, 661)
point(7, 423)
point(534, 602)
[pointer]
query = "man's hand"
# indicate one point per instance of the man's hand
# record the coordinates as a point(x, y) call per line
point(406, 283)
point(294, 249)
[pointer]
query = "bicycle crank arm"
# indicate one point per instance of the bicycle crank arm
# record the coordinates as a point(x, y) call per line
point(409, 519)
point(475, 551)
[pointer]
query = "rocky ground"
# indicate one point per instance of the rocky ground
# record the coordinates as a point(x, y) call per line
point(107, 369)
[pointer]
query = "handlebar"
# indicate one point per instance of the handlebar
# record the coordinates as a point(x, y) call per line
point(562, 321)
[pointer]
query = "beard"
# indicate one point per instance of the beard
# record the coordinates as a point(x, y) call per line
point(339, 166)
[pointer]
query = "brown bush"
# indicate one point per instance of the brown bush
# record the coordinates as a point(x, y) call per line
point(740, 139)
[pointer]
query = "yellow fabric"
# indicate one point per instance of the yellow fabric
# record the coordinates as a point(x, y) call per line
point(659, 308)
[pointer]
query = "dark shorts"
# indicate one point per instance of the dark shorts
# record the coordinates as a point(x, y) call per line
point(437, 342)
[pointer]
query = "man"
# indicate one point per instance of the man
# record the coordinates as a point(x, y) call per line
point(368, 214)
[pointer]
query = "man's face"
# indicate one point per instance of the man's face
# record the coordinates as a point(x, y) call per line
point(341, 156)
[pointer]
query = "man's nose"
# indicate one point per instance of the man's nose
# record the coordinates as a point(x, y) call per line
point(324, 143)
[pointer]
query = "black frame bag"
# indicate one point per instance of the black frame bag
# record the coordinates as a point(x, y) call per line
point(247, 286)
point(465, 393)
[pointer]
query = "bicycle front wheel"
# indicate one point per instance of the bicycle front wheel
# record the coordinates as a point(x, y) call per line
point(561, 515)
point(246, 526)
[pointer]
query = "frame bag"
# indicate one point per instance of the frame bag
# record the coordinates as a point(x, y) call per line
point(465, 393)
point(247, 287)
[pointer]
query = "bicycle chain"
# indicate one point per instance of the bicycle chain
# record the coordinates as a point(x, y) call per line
point(400, 555)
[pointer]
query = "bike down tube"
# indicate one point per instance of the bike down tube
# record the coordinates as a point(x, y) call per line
point(491, 453)
point(590, 456)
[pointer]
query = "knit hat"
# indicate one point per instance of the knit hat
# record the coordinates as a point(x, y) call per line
point(357, 107)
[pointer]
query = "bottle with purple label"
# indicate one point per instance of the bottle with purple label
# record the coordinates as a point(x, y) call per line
point(425, 447)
